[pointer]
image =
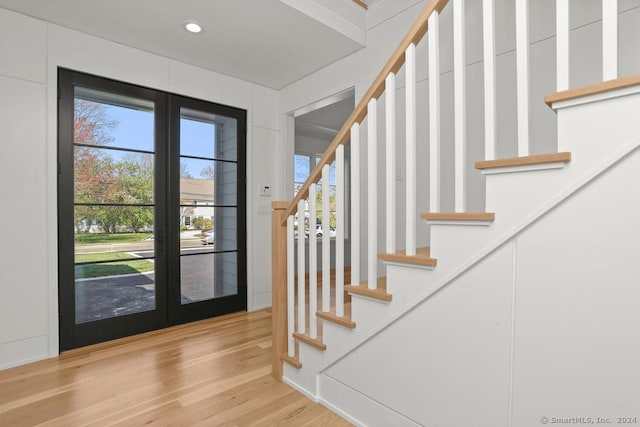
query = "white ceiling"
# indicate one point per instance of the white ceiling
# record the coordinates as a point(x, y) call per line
point(262, 41)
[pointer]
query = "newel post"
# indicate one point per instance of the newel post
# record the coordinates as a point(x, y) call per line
point(279, 284)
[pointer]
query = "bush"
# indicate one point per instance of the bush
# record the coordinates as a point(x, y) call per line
point(202, 223)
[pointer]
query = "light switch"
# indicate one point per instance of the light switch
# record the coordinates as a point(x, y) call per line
point(264, 190)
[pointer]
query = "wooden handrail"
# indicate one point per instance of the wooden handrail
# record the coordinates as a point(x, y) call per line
point(395, 62)
point(361, 4)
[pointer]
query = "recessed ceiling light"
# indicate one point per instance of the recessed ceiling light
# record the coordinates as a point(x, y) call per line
point(193, 27)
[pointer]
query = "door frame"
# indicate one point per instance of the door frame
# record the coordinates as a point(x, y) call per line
point(166, 313)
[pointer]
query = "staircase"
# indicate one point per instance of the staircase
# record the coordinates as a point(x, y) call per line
point(508, 312)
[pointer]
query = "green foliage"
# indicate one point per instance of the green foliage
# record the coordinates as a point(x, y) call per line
point(110, 269)
point(202, 223)
point(91, 238)
point(100, 179)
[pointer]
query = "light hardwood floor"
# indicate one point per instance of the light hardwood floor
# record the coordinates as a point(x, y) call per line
point(210, 373)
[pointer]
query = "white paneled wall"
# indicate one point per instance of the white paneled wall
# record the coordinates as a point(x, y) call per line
point(28, 80)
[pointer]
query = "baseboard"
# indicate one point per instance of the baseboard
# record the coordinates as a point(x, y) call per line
point(363, 410)
point(21, 352)
point(300, 389)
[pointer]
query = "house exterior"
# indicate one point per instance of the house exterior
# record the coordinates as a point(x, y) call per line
point(30, 54)
point(196, 198)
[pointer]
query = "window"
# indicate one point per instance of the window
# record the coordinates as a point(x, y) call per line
point(303, 165)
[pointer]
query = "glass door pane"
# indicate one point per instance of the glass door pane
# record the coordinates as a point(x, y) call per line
point(113, 203)
point(208, 204)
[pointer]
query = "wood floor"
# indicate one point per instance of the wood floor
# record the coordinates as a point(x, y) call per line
point(210, 373)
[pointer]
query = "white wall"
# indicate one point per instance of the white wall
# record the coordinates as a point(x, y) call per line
point(30, 52)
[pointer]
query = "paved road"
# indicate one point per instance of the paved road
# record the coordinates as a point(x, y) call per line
point(110, 296)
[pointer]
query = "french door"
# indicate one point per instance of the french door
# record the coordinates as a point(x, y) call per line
point(150, 209)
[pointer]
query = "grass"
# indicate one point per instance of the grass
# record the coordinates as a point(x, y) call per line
point(88, 238)
point(110, 269)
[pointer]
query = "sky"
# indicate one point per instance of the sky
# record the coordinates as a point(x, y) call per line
point(134, 130)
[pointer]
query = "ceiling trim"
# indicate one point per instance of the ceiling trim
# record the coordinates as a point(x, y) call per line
point(330, 18)
point(340, 96)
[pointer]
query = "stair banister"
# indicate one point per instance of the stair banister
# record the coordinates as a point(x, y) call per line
point(411, 131)
point(609, 39)
point(372, 194)
point(460, 106)
point(522, 75)
point(355, 203)
point(390, 146)
point(562, 45)
point(395, 62)
point(434, 112)
point(283, 274)
point(301, 260)
point(489, 55)
point(326, 242)
point(313, 262)
point(340, 222)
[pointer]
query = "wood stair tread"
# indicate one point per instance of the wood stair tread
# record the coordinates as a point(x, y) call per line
point(458, 216)
point(422, 257)
point(313, 342)
point(380, 293)
point(293, 361)
point(525, 161)
point(344, 321)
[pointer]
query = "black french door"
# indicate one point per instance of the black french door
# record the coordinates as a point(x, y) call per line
point(151, 212)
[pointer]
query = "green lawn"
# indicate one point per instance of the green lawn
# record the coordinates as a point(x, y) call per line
point(112, 268)
point(85, 238)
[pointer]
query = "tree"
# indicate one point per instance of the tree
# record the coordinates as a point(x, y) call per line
point(135, 186)
point(184, 170)
point(203, 223)
point(208, 173)
point(94, 172)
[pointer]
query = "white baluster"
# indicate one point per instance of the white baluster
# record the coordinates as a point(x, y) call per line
point(522, 74)
point(609, 39)
point(460, 104)
point(355, 204)
point(489, 37)
point(562, 44)
point(302, 309)
point(326, 242)
point(390, 143)
point(340, 231)
point(410, 88)
point(313, 263)
point(434, 111)
point(372, 194)
point(291, 350)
